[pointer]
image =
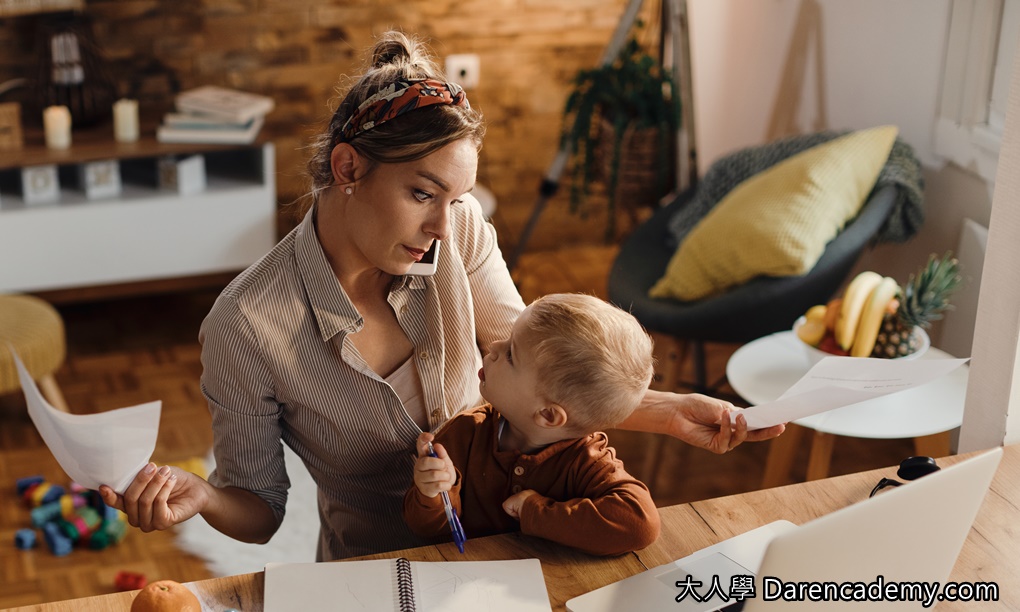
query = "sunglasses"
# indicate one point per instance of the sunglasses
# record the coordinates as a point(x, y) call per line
point(911, 468)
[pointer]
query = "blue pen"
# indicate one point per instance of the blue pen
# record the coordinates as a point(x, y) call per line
point(451, 515)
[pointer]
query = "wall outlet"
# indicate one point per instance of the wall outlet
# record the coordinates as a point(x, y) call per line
point(463, 69)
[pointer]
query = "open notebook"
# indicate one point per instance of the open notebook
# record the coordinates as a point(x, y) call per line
point(406, 586)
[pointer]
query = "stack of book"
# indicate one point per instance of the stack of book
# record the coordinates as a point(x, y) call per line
point(215, 115)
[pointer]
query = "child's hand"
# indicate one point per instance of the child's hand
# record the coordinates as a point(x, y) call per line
point(433, 474)
point(515, 502)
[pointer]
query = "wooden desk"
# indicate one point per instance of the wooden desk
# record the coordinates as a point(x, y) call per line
point(990, 553)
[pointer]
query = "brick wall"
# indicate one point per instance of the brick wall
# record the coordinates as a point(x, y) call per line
point(296, 50)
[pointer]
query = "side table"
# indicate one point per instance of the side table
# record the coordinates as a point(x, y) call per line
point(764, 369)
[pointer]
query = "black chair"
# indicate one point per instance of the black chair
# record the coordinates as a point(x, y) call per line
point(757, 308)
point(761, 306)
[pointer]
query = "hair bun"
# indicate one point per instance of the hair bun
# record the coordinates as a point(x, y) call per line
point(392, 48)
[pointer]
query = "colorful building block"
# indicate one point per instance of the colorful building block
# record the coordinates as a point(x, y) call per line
point(68, 518)
point(43, 493)
point(116, 530)
point(45, 514)
point(58, 544)
point(69, 503)
point(24, 483)
point(129, 581)
point(24, 539)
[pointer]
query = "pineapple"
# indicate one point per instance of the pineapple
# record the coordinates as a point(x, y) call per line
point(924, 298)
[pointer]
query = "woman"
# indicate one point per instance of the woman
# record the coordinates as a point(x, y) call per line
point(327, 343)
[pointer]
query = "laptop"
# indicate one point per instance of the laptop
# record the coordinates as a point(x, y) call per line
point(908, 536)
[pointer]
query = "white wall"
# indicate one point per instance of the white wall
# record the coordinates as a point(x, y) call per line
point(881, 63)
point(737, 47)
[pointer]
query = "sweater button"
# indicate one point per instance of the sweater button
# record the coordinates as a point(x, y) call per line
point(516, 489)
point(519, 471)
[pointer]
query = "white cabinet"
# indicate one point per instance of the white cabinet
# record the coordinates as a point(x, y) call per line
point(144, 233)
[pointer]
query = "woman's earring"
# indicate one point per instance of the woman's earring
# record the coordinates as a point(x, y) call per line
point(348, 190)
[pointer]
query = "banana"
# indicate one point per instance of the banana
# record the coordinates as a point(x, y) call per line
point(853, 303)
point(871, 317)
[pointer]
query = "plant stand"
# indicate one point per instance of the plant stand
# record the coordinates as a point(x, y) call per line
point(638, 185)
point(675, 29)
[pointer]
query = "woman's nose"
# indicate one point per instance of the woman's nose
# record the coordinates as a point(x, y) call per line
point(438, 225)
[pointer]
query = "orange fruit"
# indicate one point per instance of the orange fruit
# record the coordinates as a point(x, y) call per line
point(832, 312)
point(166, 596)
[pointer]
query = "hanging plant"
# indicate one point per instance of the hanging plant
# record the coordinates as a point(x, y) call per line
point(631, 93)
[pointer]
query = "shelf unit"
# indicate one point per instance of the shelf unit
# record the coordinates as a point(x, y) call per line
point(145, 233)
point(16, 8)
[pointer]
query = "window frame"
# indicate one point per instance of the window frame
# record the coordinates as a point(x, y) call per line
point(980, 50)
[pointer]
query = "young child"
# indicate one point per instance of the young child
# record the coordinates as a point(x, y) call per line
point(534, 457)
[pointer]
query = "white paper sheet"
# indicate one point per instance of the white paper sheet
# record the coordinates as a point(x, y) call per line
point(104, 448)
point(835, 382)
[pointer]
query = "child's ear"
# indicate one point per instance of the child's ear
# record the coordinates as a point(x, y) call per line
point(551, 415)
point(344, 161)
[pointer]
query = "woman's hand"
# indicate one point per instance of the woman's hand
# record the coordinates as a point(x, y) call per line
point(699, 420)
point(159, 498)
point(433, 475)
point(713, 424)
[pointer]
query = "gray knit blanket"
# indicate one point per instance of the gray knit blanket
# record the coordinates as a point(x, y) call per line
point(902, 169)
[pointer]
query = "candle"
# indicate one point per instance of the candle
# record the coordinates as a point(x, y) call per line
point(125, 120)
point(57, 123)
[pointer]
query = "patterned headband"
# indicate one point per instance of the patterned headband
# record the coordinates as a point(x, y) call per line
point(403, 96)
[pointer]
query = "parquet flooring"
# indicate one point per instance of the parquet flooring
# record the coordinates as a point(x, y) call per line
point(95, 382)
point(128, 351)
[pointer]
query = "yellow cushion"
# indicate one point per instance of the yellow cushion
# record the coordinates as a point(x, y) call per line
point(777, 222)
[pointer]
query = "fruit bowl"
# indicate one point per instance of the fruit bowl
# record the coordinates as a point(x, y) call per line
point(814, 354)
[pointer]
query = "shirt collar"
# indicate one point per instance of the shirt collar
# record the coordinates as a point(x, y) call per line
point(334, 311)
point(509, 458)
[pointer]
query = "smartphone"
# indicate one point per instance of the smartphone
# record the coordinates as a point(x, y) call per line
point(428, 263)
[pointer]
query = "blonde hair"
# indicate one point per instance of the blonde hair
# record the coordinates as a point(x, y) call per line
point(594, 359)
point(406, 138)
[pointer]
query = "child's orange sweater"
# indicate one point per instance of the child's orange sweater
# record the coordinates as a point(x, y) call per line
point(585, 498)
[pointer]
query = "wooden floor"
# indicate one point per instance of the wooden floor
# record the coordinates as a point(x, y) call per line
point(133, 350)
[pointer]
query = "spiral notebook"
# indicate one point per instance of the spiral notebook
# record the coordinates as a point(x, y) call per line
point(407, 586)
